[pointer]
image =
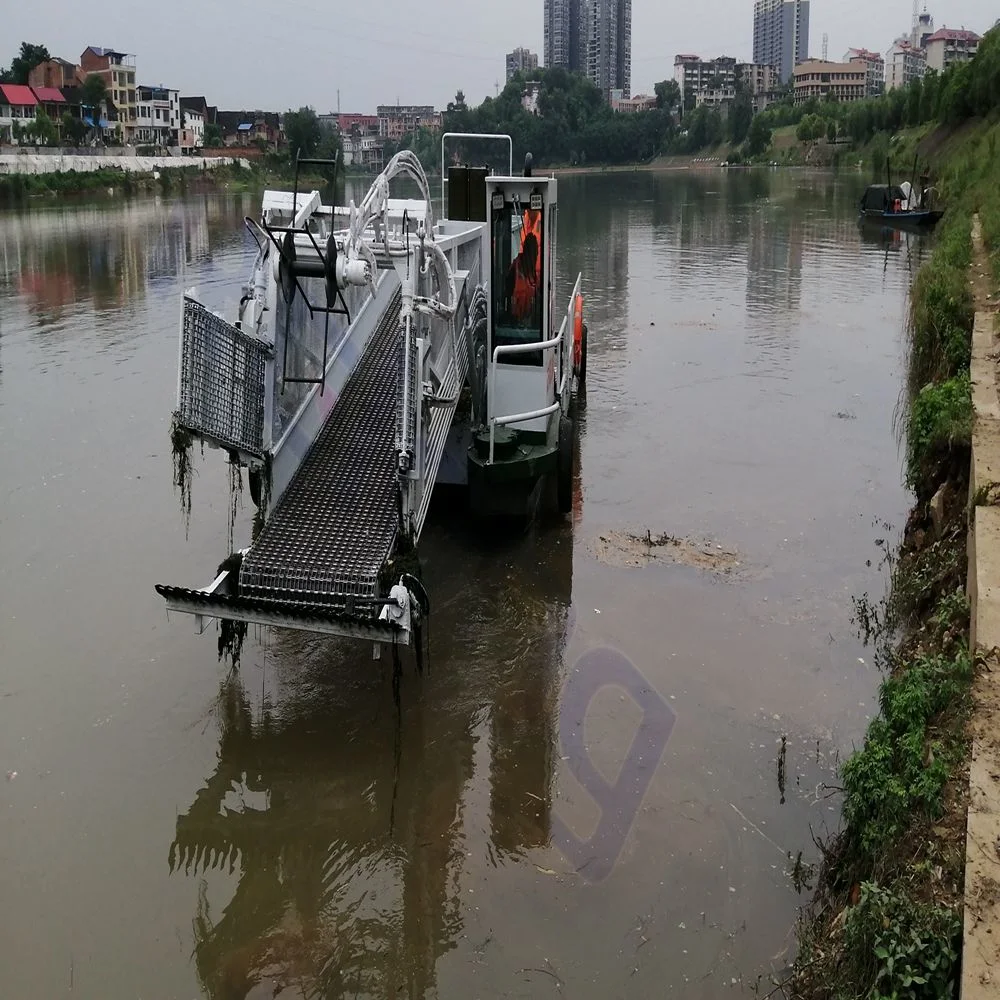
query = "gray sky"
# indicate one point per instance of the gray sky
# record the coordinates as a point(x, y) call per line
point(416, 51)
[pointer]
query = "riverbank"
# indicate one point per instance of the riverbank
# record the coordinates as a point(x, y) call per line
point(898, 884)
point(108, 176)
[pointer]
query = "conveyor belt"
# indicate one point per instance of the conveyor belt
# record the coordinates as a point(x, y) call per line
point(335, 525)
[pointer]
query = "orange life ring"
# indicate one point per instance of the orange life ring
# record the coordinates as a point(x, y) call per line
point(577, 331)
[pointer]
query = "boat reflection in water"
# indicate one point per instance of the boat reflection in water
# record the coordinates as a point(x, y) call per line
point(347, 822)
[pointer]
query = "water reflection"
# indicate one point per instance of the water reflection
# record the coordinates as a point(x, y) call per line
point(108, 256)
point(346, 825)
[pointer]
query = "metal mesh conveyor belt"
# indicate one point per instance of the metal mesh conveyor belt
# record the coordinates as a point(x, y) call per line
point(335, 525)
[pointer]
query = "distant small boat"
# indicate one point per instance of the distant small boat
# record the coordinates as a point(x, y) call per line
point(890, 203)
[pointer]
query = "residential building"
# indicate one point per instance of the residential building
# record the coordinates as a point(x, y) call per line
point(875, 81)
point(815, 79)
point(158, 117)
point(950, 46)
point(529, 99)
point(18, 106)
point(762, 82)
point(249, 128)
point(903, 64)
point(714, 81)
point(54, 73)
point(631, 105)
point(366, 151)
point(697, 76)
point(397, 120)
point(608, 46)
point(117, 69)
point(352, 124)
point(565, 35)
point(51, 101)
point(923, 28)
point(520, 61)
point(192, 130)
point(781, 34)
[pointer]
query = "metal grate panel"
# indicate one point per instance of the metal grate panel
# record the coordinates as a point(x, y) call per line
point(221, 388)
point(335, 525)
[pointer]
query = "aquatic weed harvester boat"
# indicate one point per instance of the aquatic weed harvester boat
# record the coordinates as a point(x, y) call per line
point(378, 351)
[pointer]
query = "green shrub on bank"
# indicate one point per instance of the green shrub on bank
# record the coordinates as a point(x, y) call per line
point(901, 772)
point(941, 308)
point(940, 425)
point(912, 947)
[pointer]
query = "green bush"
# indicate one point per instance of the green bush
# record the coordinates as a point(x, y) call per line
point(899, 772)
point(940, 423)
point(912, 946)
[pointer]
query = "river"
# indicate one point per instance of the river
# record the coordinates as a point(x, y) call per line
point(601, 785)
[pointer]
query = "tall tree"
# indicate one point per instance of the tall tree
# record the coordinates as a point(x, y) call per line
point(668, 94)
point(303, 133)
point(26, 60)
point(94, 95)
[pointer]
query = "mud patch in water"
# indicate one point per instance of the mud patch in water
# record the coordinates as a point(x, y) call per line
point(622, 548)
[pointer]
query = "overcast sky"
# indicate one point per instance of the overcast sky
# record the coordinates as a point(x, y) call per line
point(277, 54)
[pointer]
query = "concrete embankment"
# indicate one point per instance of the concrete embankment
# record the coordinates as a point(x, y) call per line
point(981, 948)
point(32, 163)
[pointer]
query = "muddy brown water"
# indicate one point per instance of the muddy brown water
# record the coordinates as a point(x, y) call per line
point(581, 797)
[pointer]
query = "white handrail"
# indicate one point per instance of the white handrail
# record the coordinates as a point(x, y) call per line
point(473, 135)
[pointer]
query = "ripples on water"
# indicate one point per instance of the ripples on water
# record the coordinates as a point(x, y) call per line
point(288, 829)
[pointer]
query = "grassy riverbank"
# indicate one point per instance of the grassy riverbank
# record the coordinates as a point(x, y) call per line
point(886, 920)
point(16, 189)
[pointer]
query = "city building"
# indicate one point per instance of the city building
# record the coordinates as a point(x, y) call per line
point(950, 46)
point(529, 98)
point(608, 49)
point(18, 106)
point(698, 76)
point(714, 82)
point(875, 82)
point(631, 105)
point(192, 131)
point(564, 35)
point(781, 34)
point(352, 124)
point(903, 63)
point(397, 120)
point(51, 101)
point(54, 73)
point(923, 28)
point(520, 61)
point(249, 128)
point(815, 79)
point(117, 69)
point(158, 117)
point(365, 151)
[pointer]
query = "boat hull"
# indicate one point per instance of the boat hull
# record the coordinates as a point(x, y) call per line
point(917, 218)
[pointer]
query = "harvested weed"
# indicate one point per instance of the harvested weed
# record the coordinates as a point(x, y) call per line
point(181, 443)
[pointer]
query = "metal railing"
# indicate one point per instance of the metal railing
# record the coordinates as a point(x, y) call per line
point(545, 345)
point(474, 135)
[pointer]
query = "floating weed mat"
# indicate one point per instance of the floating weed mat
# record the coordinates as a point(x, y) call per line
point(181, 443)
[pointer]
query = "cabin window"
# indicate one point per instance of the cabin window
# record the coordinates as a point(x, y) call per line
point(517, 250)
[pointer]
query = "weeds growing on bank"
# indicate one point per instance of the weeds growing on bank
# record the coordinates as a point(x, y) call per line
point(886, 921)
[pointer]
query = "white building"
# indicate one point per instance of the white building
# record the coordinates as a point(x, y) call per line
point(875, 64)
point(949, 46)
point(192, 133)
point(903, 64)
point(158, 116)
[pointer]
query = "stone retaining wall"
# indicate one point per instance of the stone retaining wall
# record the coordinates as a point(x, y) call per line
point(981, 947)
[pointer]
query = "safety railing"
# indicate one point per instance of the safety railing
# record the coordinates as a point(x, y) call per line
point(545, 345)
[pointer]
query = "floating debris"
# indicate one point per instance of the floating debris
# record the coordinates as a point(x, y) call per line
point(181, 442)
point(624, 549)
